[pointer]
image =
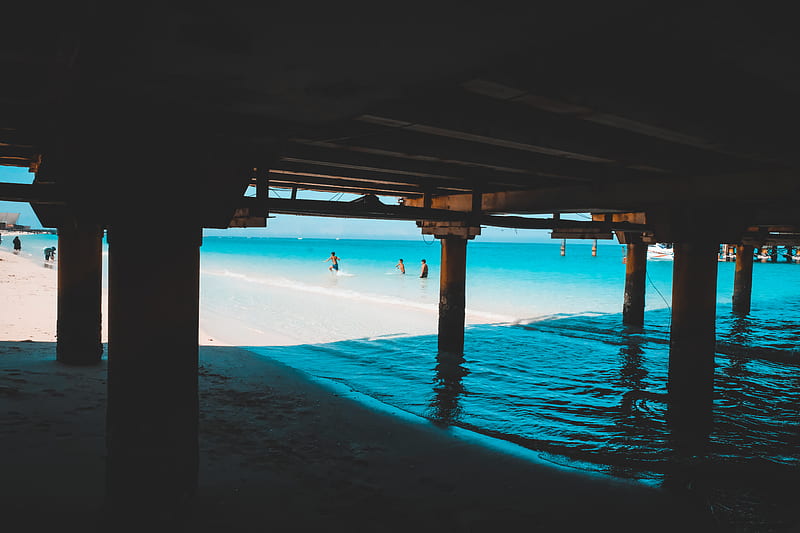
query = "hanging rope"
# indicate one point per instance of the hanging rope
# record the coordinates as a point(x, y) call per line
point(669, 324)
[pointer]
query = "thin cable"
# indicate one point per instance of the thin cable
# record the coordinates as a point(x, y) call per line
point(669, 324)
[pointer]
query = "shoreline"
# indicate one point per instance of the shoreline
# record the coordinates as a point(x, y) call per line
point(278, 448)
point(30, 293)
point(282, 447)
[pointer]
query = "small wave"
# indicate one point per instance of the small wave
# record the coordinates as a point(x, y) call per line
point(286, 283)
point(473, 316)
point(486, 317)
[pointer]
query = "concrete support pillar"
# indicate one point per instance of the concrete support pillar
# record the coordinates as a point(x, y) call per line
point(80, 280)
point(452, 289)
point(692, 335)
point(635, 278)
point(152, 419)
point(743, 280)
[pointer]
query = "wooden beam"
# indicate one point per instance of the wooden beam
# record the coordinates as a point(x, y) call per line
point(781, 240)
point(398, 163)
point(541, 169)
point(344, 171)
point(38, 193)
point(153, 322)
point(469, 117)
point(690, 383)
point(452, 295)
point(778, 188)
point(351, 209)
point(321, 184)
point(312, 180)
point(426, 159)
point(371, 169)
point(635, 284)
point(80, 291)
point(439, 165)
point(401, 212)
point(482, 139)
point(743, 279)
point(582, 112)
point(16, 161)
point(582, 233)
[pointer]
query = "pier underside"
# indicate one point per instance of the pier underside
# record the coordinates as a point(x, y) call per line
point(668, 126)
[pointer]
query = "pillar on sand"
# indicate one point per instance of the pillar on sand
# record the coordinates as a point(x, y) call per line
point(743, 279)
point(80, 269)
point(635, 278)
point(692, 336)
point(152, 417)
point(452, 289)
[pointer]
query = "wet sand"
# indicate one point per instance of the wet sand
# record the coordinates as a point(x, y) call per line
point(279, 452)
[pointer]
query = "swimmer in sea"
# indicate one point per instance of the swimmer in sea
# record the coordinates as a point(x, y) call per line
point(400, 266)
point(335, 262)
point(424, 272)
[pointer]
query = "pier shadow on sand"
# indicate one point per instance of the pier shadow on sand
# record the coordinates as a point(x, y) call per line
point(280, 450)
point(283, 453)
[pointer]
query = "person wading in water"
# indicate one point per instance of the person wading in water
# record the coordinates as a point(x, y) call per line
point(335, 260)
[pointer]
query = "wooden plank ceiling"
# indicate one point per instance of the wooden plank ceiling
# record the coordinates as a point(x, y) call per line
point(485, 98)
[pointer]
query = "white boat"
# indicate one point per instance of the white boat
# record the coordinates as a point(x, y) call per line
point(660, 251)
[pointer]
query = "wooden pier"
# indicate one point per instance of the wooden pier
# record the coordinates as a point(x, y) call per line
point(469, 117)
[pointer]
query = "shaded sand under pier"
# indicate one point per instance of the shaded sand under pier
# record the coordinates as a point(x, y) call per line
point(279, 451)
point(283, 453)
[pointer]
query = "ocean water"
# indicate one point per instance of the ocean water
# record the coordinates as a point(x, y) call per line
point(547, 363)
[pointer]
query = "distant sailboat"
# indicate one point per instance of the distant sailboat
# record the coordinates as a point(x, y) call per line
point(660, 250)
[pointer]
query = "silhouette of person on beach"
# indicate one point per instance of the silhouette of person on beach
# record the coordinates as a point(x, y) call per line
point(50, 253)
point(335, 262)
point(424, 272)
point(400, 266)
point(17, 245)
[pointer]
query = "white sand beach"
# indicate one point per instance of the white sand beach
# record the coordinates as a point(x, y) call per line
point(279, 452)
point(28, 294)
point(29, 290)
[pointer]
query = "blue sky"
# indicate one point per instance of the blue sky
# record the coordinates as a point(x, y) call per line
point(309, 227)
point(18, 175)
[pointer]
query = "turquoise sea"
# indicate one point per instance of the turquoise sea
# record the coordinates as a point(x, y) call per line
point(547, 363)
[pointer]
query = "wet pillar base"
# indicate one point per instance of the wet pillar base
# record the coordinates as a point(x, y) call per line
point(152, 418)
point(452, 289)
point(743, 280)
point(80, 274)
point(692, 338)
point(635, 278)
